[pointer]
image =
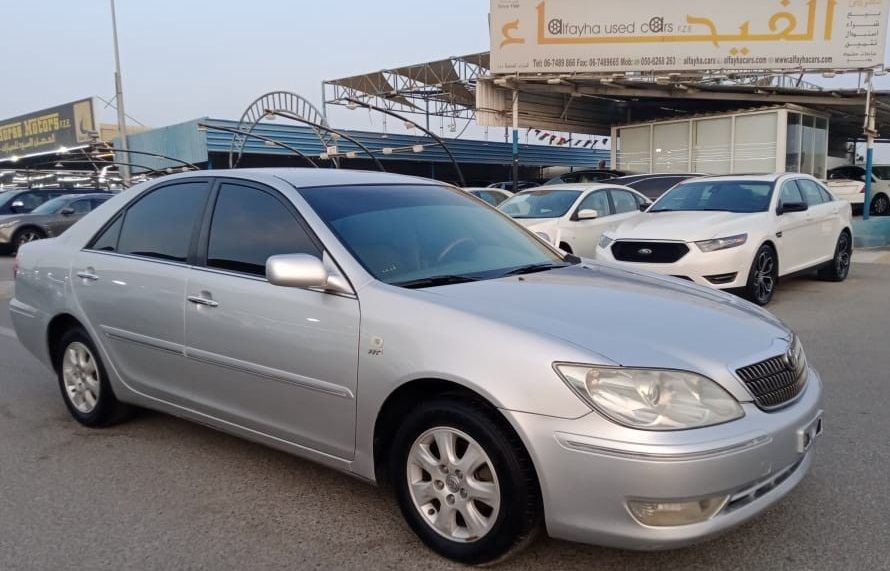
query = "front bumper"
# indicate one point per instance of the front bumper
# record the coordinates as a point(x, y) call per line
point(588, 468)
point(723, 269)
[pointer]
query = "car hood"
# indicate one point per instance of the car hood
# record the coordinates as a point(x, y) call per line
point(631, 318)
point(686, 226)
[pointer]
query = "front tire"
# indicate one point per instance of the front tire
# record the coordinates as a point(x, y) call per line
point(839, 268)
point(27, 235)
point(464, 482)
point(84, 382)
point(880, 205)
point(763, 277)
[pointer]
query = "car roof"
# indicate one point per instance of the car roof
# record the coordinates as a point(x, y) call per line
point(309, 177)
point(579, 186)
point(761, 177)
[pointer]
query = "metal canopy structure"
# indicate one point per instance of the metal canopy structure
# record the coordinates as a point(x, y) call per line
point(463, 87)
point(591, 104)
point(442, 88)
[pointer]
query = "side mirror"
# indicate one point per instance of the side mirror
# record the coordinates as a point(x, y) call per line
point(588, 214)
point(67, 211)
point(792, 207)
point(17, 206)
point(297, 271)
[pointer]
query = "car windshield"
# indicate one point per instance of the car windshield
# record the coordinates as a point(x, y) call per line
point(540, 203)
point(417, 236)
point(719, 195)
point(51, 206)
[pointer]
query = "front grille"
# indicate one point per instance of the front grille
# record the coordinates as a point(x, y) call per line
point(775, 381)
point(649, 252)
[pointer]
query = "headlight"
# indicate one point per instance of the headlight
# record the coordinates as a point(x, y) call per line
point(652, 399)
point(722, 243)
point(605, 242)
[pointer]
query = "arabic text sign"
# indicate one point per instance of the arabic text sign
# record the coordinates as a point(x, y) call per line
point(541, 36)
point(47, 130)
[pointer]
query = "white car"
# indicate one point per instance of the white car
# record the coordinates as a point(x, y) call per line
point(848, 183)
point(493, 196)
point(738, 232)
point(573, 217)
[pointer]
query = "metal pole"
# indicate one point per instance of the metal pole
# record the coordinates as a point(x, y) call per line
point(515, 140)
point(119, 97)
point(870, 144)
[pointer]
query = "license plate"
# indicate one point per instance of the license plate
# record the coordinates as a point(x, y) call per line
point(809, 433)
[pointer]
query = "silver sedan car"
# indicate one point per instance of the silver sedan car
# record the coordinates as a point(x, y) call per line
point(401, 331)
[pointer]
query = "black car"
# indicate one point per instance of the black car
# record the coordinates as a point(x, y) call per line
point(592, 175)
point(26, 200)
point(652, 186)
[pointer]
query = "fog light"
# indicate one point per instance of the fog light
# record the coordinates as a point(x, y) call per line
point(664, 514)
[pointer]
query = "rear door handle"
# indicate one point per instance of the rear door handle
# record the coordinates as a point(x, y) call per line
point(88, 274)
point(198, 300)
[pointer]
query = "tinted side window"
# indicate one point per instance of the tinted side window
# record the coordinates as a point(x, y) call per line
point(810, 191)
point(598, 201)
point(655, 187)
point(107, 240)
point(570, 178)
point(826, 196)
point(81, 206)
point(250, 225)
point(29, 200)
point(624, 201)
point(160, 224)
point(97, 202)
point(790, 193)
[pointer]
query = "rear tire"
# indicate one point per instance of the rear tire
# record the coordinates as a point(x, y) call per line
point(84, 382)
point(475, 512)
point(763, 277)
point(880, 205)
point(839, 268)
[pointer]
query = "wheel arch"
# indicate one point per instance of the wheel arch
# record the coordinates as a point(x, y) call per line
point(55, 330)
point(409, 394)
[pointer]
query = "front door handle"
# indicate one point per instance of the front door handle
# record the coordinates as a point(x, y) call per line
point(198, 300)
point(88, 275)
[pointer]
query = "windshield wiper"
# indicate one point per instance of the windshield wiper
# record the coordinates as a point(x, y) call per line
point(661, 210)
point(534, 268)
point(435, 281)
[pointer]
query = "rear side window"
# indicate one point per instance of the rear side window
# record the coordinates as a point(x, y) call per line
point(160, 225)
point(250, 225)
point(810, 191)
point(81, 206)
point(624, 201)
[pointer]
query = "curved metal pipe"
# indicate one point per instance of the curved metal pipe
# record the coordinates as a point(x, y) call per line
point(261, 138)
point(292, 116)
point(460, 174)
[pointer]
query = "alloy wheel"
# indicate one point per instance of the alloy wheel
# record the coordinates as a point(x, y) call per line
point(453, 484)
point(80, 375)
point(842, 260)
point(28, 236)
point(764, 276)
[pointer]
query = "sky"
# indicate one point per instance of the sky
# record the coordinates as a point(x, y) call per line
point(186, 59)
point(193, 58)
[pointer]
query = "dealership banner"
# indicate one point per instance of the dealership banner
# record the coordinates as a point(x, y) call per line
point(547, 36)
point(66, 125)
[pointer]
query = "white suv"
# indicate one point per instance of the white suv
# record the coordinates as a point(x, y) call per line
point(738, 232)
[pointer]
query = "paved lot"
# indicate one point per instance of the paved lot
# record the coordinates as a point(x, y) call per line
point(160, 493)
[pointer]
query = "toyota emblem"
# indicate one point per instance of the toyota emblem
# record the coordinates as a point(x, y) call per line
point(644, 252)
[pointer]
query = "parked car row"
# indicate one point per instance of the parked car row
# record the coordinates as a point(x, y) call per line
point(48, 219)
point(740, 233)
point(339, 316)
